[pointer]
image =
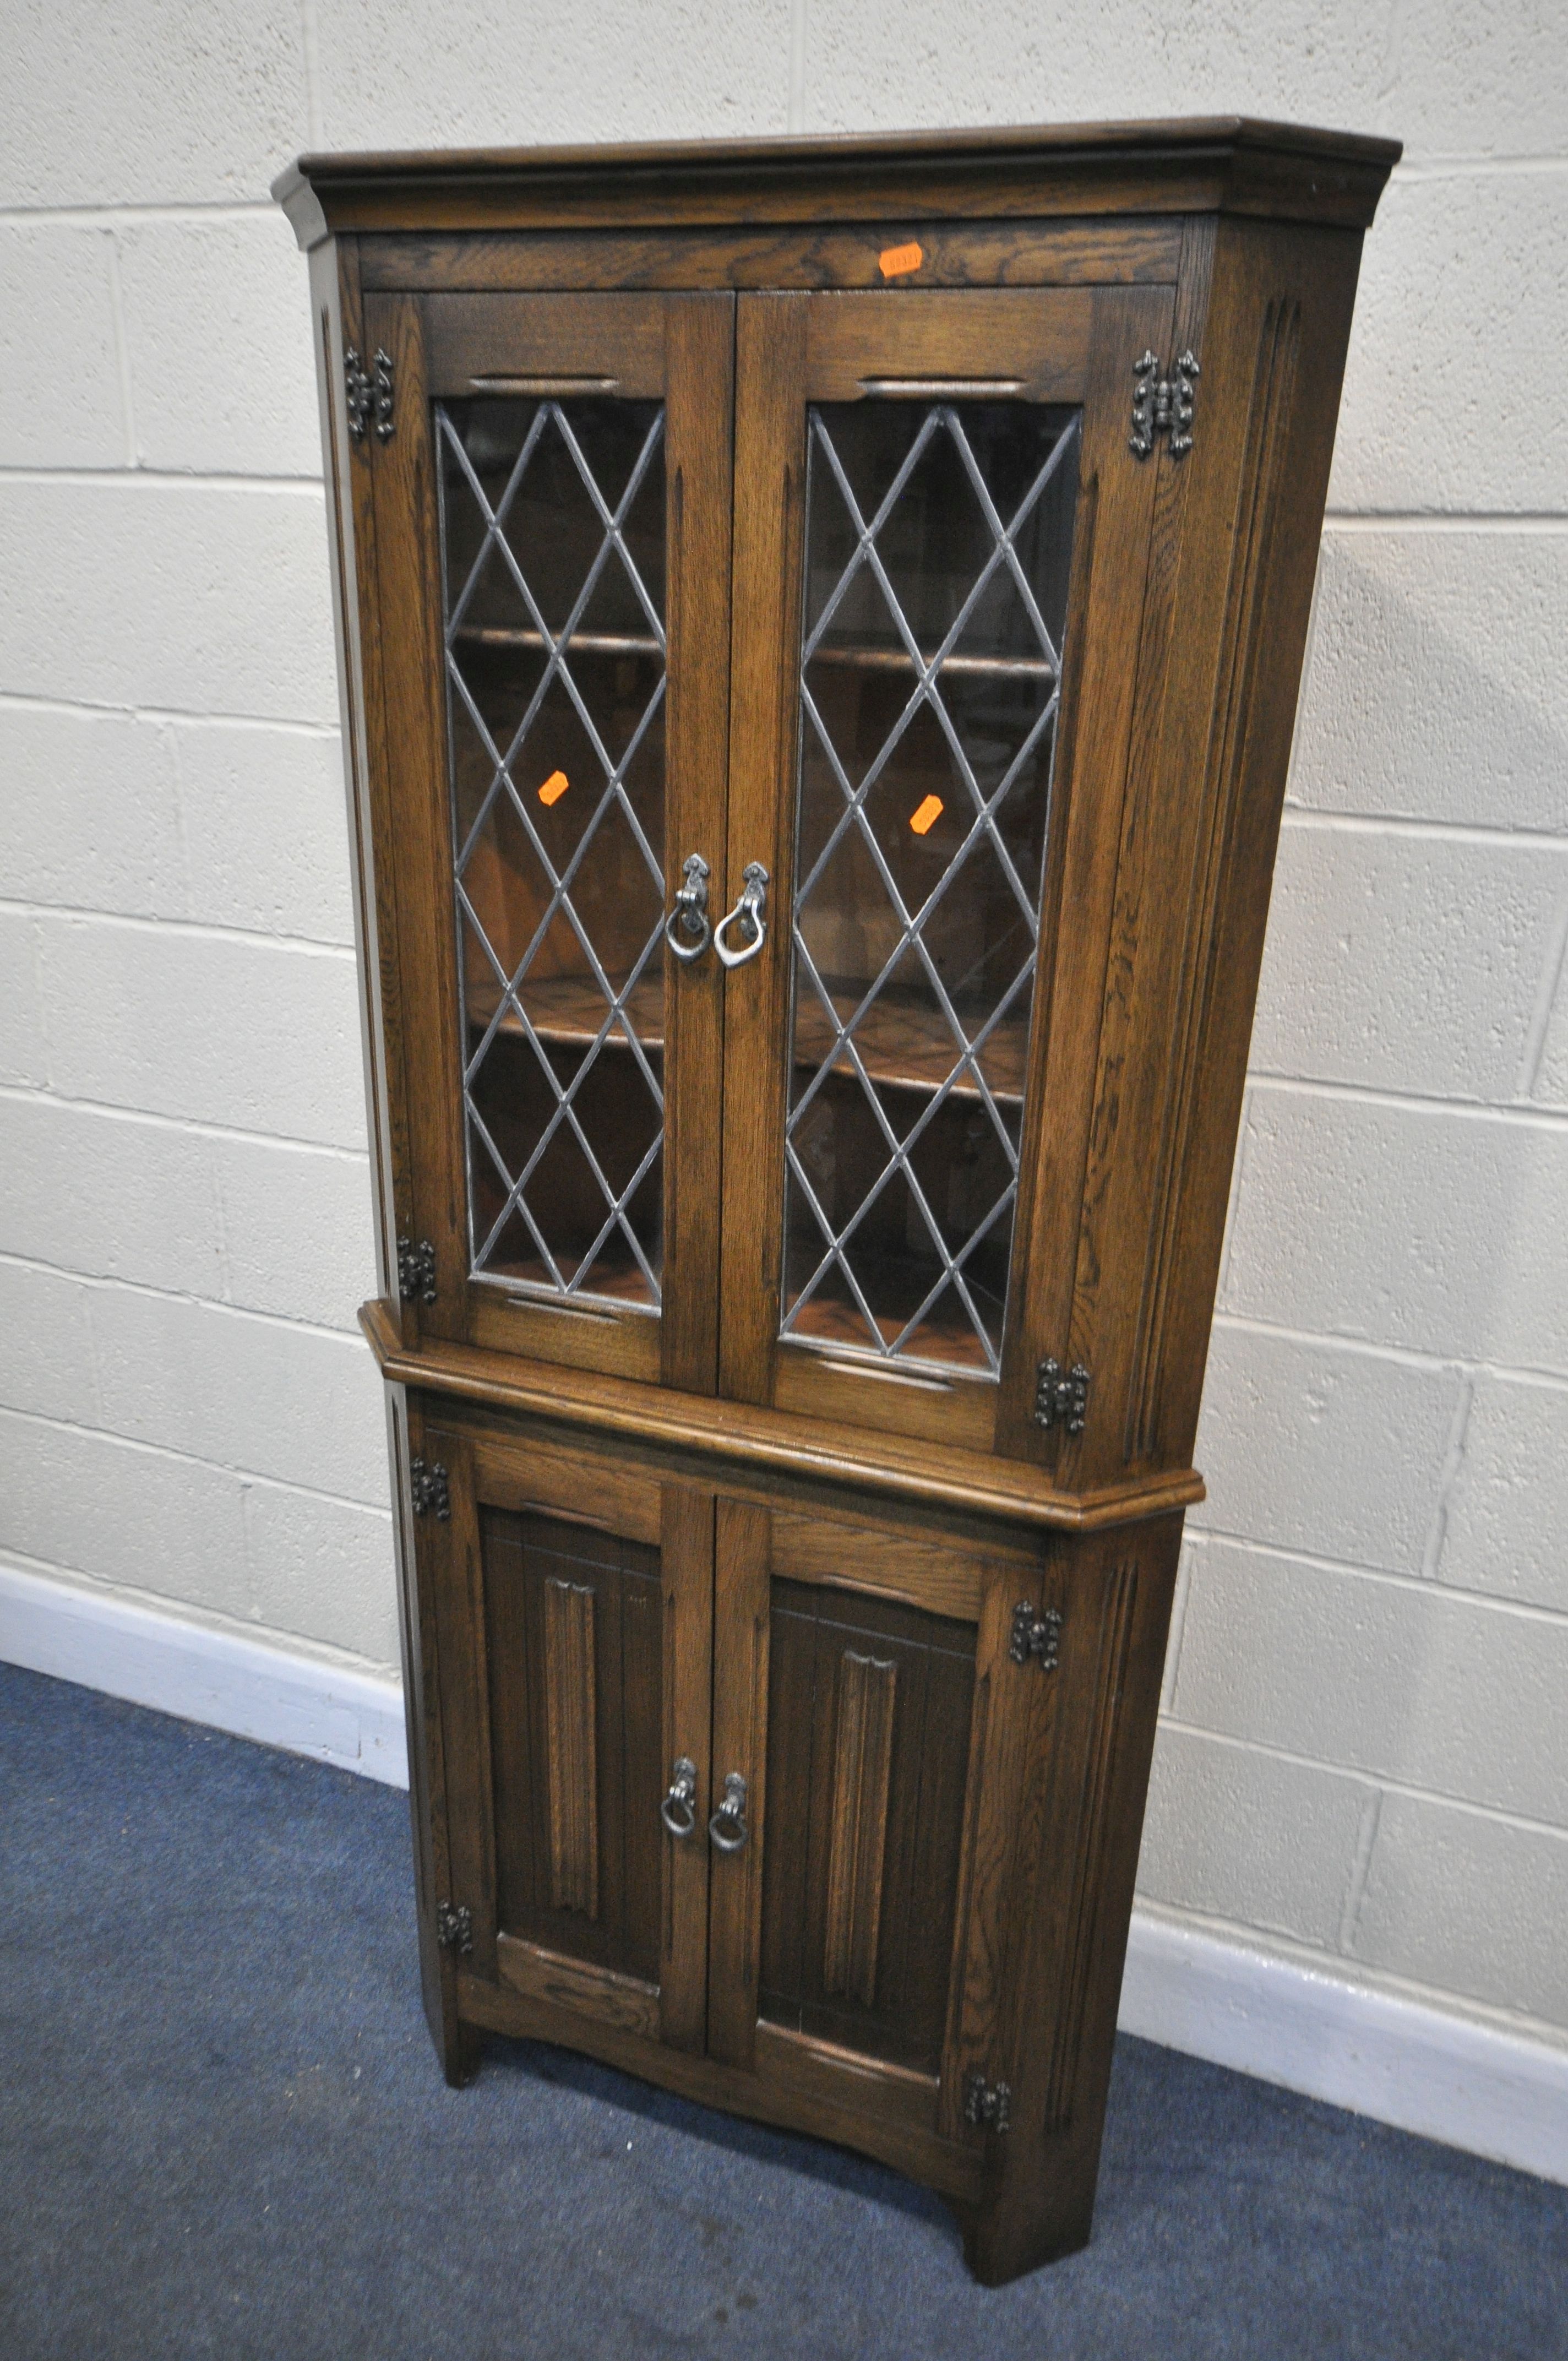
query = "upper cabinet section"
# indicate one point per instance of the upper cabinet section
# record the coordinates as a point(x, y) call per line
point(821, 629)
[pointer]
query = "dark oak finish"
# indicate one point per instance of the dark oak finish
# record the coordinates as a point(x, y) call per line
point(857, 1859)
point(675, 349)
point(1022, 254)
point(780, 1704)
point(868, 1747)
point(1225, 163)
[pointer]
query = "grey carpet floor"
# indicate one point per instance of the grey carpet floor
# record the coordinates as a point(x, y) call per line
point(222, 2132)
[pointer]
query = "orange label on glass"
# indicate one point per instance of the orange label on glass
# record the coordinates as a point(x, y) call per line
point(926, 815)
point(894, 261)
point(555, 787)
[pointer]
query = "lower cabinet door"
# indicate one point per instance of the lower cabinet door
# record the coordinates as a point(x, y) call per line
point(570, 1605)
point(864, 1691)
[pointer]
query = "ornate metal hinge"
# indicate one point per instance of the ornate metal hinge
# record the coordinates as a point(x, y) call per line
point(1035, 1635)
point(416, 1271)
point(428, 1487)
point(986, 2104)
point(454, 1929)
point(1163, 405)
point(365, 396)
point(1061, 1398)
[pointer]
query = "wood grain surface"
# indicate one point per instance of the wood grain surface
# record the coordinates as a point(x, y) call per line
point(571, 1715)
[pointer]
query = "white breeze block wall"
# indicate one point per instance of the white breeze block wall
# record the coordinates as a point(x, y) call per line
point(1362, 1763)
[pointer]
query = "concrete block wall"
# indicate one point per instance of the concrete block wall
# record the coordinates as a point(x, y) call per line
point(1360, 1764)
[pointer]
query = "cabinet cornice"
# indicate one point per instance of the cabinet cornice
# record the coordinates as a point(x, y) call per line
point(1205, 164)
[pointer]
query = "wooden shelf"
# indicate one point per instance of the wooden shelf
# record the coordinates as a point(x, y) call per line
point(853, 659)
point(614, 1279)
point(568, 1010)
point(944, 1336)
point(906, 1048)
point(903, 1047)
point(969, 667)
point(588, 643)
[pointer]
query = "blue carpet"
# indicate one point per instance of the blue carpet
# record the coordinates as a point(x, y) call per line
point(222, 2132)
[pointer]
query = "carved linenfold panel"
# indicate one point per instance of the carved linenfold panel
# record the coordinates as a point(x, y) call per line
point(570, 1714)
point(862, 1768)
point(1093, 1822)
point(1242, 652)
point(868, 1750)
point(574, 1670)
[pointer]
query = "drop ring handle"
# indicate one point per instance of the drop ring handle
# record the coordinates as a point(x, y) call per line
point(678, 1810)
point(686, 930)
point(728, 1827)
point(747, 916)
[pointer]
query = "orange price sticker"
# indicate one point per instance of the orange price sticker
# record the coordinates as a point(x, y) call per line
point(925, 815)
point(555, 787)
point(897, 262)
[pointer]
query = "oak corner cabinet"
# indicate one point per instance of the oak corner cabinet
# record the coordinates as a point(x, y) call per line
point(819, 629)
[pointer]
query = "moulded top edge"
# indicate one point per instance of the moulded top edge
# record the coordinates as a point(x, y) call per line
point(1221, 163)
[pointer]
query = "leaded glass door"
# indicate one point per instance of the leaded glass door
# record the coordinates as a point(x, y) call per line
point(945, 537)
point(553, 523)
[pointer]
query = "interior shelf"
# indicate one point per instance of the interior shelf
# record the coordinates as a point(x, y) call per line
point(594, 643)
point(973, 667)
point(944, 1336)
point(567, 1010)
point(901, 1046)
point(854, 659)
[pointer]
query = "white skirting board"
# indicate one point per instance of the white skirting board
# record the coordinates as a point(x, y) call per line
point(1463, 2080)
point(252, 1688)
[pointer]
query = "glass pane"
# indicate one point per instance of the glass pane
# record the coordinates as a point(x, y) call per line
point(552, 550)
point(939, 549)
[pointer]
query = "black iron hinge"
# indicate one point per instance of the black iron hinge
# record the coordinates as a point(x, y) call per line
point(987, 2105)
point(427, 1487)
point(1163, 405)
point(369, 396)
point(1061, 1397)
point(1035, 1635)
point(454, 1929)
point(416, 1271)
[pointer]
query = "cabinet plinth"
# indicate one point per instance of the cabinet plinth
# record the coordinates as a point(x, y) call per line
point(819, 629)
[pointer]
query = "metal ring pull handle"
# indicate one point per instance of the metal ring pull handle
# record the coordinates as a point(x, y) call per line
point(689, 916)
point(727, 1826)
point(747, 914)
point(678, 1810)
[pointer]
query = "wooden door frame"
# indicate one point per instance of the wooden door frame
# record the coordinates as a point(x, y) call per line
point(482, 1468)
point(1073, 345)
point(678, 348)
point(907, 1559)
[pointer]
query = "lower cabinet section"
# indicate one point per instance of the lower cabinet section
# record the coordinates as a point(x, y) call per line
point(825, 1810)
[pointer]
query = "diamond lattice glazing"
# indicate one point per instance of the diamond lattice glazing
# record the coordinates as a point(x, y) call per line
point(553, 536)
point(929, 684)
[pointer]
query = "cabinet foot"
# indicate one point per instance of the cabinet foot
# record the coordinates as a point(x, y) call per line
point(1036, 2213)
point(461, 2054)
